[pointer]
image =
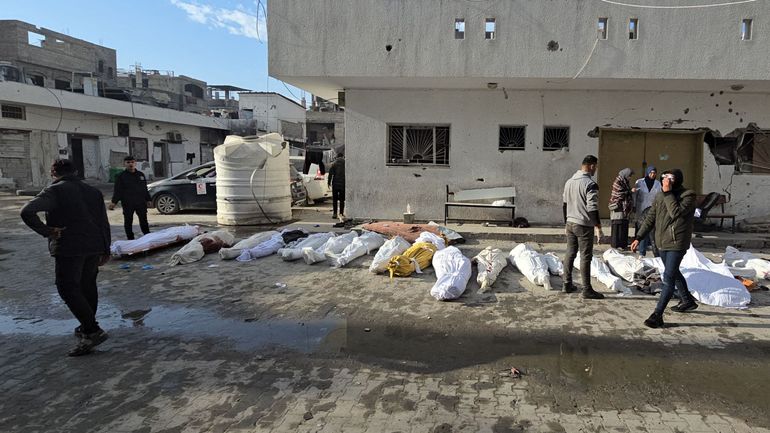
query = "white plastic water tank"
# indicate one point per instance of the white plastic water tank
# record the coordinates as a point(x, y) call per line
point(253, 180)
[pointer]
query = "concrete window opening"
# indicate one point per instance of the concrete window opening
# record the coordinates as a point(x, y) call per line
point(512, 137)
point(633, 28)
point(555, 138)
point(100, 66)
point(489, 29)
point(754, 152)
point(35, 39)
point(61, 84)
point(460, 28)
point(8, 111)
point(194, 90)
point(110, 72)
point(601, 29)
point(418, 145)
point(123, 129)
point(137, 147)
point(746, 29)
point(37, 80)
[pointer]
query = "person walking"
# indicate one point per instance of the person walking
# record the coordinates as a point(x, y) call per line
point(621, 206)
point(646, 190)
point(78, 235)
point(131, 191)
point(671, 215)
point(336, 181)
point(581, 215)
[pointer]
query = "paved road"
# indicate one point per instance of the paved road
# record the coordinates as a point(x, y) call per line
point(283, 347)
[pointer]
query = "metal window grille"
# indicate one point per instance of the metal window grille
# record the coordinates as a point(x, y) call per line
point(418, 145)
point(12, 112)
point(555, 137)
point(512, 137)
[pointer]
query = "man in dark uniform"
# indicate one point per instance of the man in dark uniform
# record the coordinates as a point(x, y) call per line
point(336, 181)
point(131, 190)
point(78, 235)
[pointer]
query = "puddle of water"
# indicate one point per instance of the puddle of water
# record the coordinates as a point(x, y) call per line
point(190, 324)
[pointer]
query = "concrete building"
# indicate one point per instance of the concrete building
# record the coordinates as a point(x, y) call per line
point(223, 100)
point(39, 125)
point(51, 59)
point(272, 112)
point(325, 123)
point(165, 89)
point(516, 92)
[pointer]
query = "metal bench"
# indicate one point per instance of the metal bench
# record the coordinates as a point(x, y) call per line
point(463, 198)
point(721, 216)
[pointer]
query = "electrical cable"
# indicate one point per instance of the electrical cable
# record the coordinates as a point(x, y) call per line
point(61, 109)
point(253, 194)
point(588, 59)
point(737, 2)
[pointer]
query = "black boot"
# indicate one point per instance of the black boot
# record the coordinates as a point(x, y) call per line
point(654, 321)
point(568, 288)
point(590, 293)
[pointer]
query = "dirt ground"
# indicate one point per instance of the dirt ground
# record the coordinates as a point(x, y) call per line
point(283, 346)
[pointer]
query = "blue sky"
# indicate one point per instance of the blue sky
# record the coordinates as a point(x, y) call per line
point(217, 41)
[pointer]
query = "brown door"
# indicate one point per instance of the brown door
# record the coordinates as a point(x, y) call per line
point(617, 150)
point(684, 151)
point(665, 150)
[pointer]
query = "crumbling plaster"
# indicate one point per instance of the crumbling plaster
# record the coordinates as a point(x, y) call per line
point(378, 191)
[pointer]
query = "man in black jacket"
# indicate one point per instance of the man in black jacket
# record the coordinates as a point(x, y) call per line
point(336, 181)
point(78, 235)
point(671, 217)
point(131, 190)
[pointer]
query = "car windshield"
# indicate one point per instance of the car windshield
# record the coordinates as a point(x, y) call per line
point(202, 171)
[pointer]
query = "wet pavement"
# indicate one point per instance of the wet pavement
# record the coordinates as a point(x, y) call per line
point(274, 346)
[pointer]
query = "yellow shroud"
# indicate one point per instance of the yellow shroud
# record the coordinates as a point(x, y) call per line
point(417, 257)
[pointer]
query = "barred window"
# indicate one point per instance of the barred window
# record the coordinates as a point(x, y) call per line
point(512, 138)
point(13, 112)
point(555, 137)
point(418, 145)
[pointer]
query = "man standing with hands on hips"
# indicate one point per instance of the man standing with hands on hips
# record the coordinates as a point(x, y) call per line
point(581, 215)
point(79, 240)
point(671, 216)
point(131, 190)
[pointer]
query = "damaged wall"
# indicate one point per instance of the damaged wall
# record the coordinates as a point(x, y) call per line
point(475, 162)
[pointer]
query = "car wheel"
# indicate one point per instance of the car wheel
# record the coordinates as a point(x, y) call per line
point(167, 204)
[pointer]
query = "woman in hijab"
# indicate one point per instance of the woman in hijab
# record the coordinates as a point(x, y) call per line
point(646, 190)
point(621, 206)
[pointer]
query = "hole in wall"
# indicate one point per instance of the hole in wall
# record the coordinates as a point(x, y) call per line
point(553, 46)
point(388, 47)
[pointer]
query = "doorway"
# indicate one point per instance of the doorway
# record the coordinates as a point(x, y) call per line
point(636, 149)
point(159, 158)
point(76, 144)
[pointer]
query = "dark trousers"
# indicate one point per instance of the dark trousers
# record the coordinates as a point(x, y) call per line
point(338, 194)
point(647, 242)
point(672, 278)
point(128, 220)
point(579, 238)
point(76, 282)
point(619, 234)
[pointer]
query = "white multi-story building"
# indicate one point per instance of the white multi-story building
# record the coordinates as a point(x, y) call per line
point(500, 92)
point(39, 125)
point(273, 112)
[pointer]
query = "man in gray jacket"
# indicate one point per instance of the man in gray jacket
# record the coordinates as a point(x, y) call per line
point(581, 215)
